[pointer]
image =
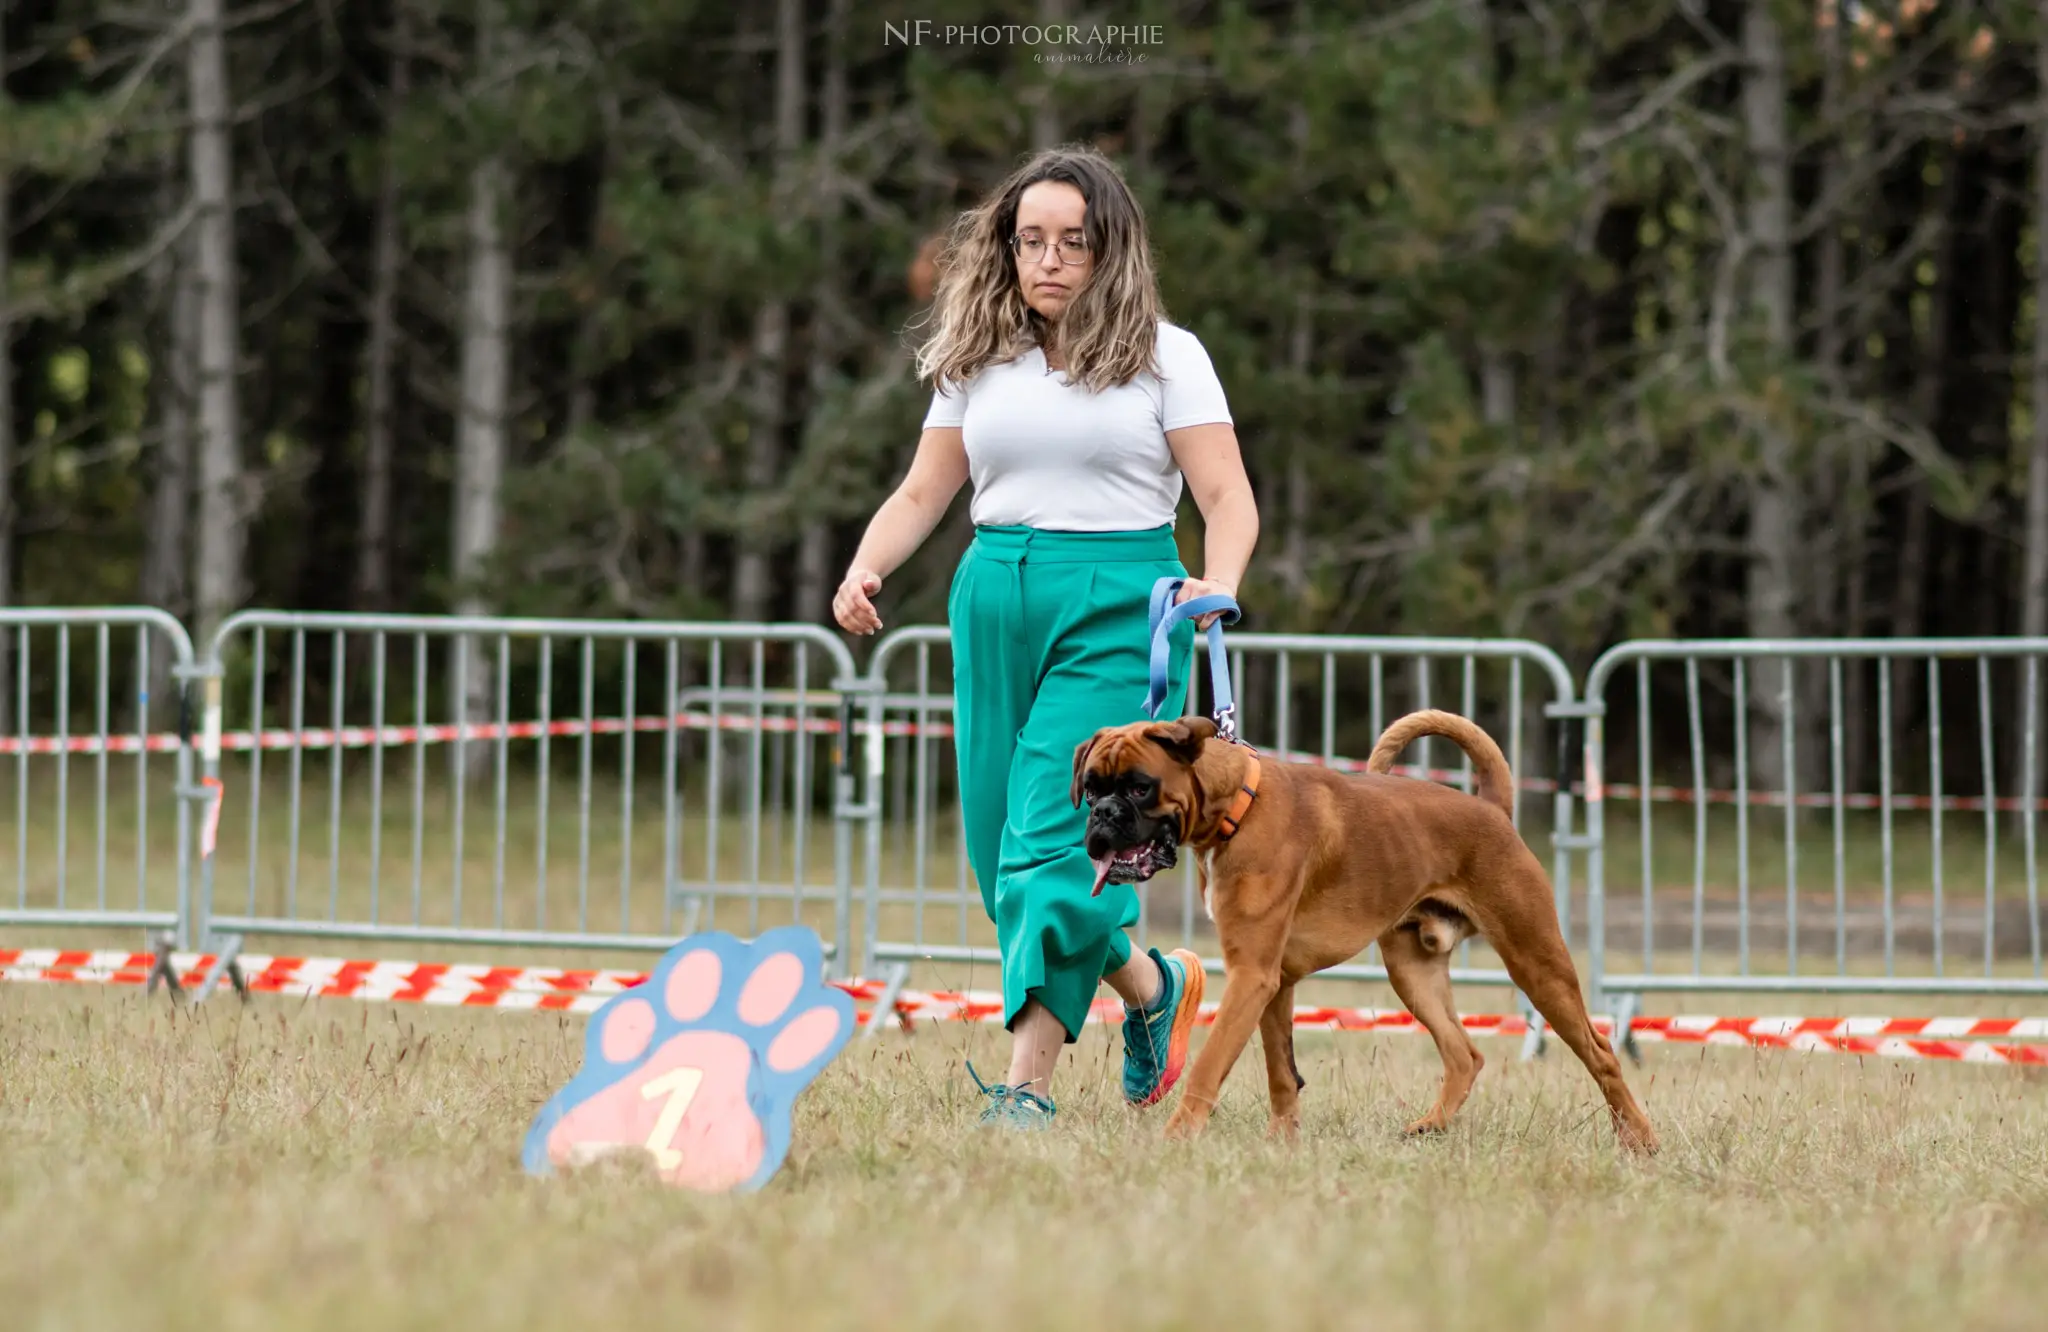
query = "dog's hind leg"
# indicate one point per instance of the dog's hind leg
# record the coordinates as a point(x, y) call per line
point(1283, 1078)
point(1423, 980)
point(1521, 925)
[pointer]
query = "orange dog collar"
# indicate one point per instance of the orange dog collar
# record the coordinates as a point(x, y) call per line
point(1241, 804)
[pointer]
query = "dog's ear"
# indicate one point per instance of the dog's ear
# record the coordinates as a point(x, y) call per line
point(1183, 739)
point(1081, 767)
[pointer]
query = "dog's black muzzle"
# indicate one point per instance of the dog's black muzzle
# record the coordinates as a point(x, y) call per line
point(1128, 846)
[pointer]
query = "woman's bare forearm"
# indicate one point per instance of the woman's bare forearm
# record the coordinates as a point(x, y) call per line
point(1214, 466)
point(1229, 535)
point(908, 516)
point(901, 525)
point(898, 528)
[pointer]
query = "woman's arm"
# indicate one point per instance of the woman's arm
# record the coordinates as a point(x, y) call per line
point(901, 525)
point(1209, 458)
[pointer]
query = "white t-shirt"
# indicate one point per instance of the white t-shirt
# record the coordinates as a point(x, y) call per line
point(1048, 454)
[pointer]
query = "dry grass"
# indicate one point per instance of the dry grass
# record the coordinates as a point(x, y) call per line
point(327, 1165)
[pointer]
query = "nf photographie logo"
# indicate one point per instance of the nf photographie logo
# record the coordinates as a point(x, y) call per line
point(1073, 41)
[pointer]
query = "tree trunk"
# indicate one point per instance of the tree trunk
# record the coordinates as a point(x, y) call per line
point(7, 641)
point(588, 343)
point(583, 392)
point(752, 582)
point(2034, 581)
point(1774, 537)
point(485, 400)
point(1497, 409)
point(167, 544)
point(1293, 562)
point(1045, 111)
point(1844, 579)
point(1930, 384)
point(165, 565)
point(1856, 682)
point(814, 553)
point(1293, 568)
point(692, 564)
point(486, 374)
point(588, 347)
point(1144, 134)
point(1496, 387)
point(1832, 558)
point(223, 506)
point(373, 540)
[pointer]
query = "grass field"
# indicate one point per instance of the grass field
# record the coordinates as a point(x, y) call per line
point(334, 1165)
point(327, 1165)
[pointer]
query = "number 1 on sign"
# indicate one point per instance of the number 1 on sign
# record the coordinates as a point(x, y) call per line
point(680, 1086)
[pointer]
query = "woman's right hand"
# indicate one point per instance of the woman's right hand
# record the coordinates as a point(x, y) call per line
point(853, 606)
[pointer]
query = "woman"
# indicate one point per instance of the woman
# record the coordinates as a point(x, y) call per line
point(1076, 410)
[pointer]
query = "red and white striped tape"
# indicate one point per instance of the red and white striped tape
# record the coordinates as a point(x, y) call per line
point(1968, 1040)
point(435, 983)
point(393, 737)
point(1900, 1038)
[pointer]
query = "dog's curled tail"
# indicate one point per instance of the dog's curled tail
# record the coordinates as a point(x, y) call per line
point(1495, 783)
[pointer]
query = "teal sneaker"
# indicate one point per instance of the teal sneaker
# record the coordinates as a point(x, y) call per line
point(1013, 1107)
point(1156, 1039)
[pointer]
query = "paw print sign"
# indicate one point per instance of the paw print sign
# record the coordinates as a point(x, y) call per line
point(699, 1065)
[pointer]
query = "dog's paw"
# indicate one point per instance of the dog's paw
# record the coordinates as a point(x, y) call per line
point(1638, 1140)
point(1285, 1129)
point(699, 1065)
point(1185, 1124)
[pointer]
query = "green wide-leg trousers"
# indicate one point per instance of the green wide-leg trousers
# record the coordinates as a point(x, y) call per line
point(1049, 645)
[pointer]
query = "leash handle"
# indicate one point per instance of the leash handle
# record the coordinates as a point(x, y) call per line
point(1163, 616)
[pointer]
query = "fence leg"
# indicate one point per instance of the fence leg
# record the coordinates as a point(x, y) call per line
point(692, 905)
point(224, 963)
point(857, 802)
point(1537, 1036)
point(885, 1002)
point(848, 811)
point(162, 970)
point(1626, 1008)
point(198, 800)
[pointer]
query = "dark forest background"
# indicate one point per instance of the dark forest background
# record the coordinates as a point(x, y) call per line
point(1568, 319)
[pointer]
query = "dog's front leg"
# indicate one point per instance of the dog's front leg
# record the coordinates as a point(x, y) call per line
point(1246, 992)
point(1252, 916)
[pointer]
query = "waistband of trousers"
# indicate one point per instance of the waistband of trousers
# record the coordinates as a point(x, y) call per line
point(1037, 545)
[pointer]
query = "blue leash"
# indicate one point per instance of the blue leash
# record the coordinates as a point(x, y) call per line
point(1164, 615)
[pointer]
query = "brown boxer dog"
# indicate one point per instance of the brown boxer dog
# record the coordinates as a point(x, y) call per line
point(1301, 867)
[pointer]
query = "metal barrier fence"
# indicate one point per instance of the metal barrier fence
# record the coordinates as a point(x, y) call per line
point(86, 689)
point(608, 785)
point(1812, 727)
point(566, 813)
point(1300, 697)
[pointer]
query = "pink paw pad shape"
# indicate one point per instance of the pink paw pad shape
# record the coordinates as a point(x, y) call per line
point(699, 1065)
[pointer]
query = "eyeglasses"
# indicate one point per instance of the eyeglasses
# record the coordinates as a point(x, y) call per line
point(1073, 249)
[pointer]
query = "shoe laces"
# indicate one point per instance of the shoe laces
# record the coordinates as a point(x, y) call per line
point(1002, 1093)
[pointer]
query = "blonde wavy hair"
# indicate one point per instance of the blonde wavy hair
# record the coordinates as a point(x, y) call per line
point(1108, 334)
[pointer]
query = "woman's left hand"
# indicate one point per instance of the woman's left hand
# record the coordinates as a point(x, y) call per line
point(1202, 587)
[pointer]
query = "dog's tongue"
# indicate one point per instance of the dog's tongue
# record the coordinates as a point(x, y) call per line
point(1102, 864)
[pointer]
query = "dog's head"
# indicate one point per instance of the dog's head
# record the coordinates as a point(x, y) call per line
point(1142, 795)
